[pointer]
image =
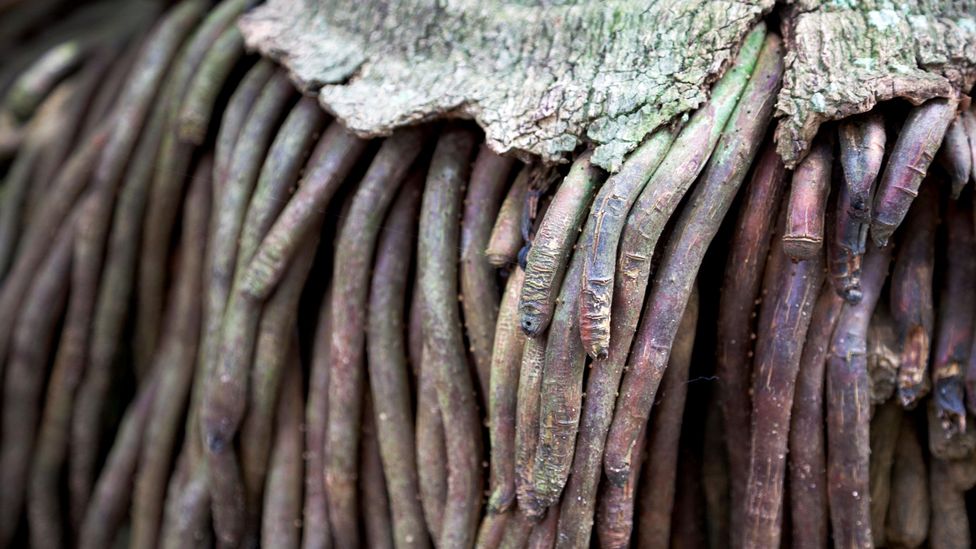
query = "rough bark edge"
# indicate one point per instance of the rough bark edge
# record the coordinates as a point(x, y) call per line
point(537, 77)
point(845, 58)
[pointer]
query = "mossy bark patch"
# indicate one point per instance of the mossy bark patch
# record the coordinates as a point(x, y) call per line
point(544, 76)
point(540, 76)
point(845, 56)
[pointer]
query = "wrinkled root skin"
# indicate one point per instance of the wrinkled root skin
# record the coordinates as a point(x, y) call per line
point(228, 317)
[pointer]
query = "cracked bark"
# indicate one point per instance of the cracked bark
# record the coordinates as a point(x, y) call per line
point(540, 77)
point(845, 57)
point(544, 77)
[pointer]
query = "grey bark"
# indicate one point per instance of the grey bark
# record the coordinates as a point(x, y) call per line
point(845, 57)
point(545, 76)
point(540, 76)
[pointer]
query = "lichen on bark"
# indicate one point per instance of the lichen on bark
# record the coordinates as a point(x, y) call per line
point(540, 76)
point(845, 56)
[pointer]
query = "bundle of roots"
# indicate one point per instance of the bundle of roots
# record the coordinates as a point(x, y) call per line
point(227, 320)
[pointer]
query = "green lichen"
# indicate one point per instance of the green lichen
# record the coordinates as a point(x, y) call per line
point(847, 56)
point(540, 77)
point(543, 77)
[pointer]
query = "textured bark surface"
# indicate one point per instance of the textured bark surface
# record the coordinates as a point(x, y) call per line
point(543, 76)
point(844, 57)
point(539, 76)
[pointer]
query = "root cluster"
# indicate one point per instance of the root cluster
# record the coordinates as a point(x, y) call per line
point(227, 320)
